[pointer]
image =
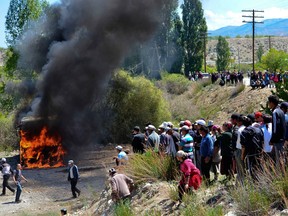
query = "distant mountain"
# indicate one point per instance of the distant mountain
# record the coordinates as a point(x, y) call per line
point(273, 27)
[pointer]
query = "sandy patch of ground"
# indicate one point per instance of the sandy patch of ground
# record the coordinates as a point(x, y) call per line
point(48, 191)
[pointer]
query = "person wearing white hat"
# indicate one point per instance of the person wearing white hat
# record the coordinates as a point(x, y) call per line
point(73, 176)
point(121, 157)
point(153, 138)
point(6, 172)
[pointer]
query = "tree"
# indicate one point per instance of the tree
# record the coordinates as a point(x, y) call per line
point(19, 14)
point(275, 60)
point(194, 33)
point(260, 52)
point(223, 54)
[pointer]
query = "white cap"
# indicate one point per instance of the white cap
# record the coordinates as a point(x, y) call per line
point(70, 162)
point(151, 127)
point(200, 122)
point(119, 148)
point(181, 154)
point(3, 159)
point(185, 127)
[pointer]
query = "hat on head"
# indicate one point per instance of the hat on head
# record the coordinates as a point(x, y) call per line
point(200, 122)
point(181, 123)
point(251, 117)
point(257, 114)
point(112, 170)
point(188, 123)
point(70, 162)
point(119, 148)
point(136, 128)
point(210, 123)
point(181, 154)
point(151, 127)
point(185, 127)
point(3, 159)
point(284, 105)
point(170, 124)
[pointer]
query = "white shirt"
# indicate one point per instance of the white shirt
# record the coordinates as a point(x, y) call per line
point(238, 144)
point(71, 172)
point(267, 136)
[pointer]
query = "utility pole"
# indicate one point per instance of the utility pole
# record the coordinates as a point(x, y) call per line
point(253, 30)
point(270, 46)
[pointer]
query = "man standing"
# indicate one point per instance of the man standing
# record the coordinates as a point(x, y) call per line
point(278, 127)
point(73, 176)
point(121, 186)
point(206, 153)
point(153, 138)
point(17, 180)
point(138, 142)
point(6, 172)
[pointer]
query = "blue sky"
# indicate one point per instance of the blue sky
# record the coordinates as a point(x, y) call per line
point(218, 13)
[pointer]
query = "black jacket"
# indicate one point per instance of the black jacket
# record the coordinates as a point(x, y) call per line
point(278, 126)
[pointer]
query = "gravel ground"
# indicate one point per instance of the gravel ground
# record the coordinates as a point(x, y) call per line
point(48, 191)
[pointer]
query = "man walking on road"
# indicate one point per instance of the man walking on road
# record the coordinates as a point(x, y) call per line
point(73, 176)
point(6, 172)
point(17, 180)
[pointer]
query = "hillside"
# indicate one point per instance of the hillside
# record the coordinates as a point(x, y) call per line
point(215, 102)
point(241, 48)
point(275, 27)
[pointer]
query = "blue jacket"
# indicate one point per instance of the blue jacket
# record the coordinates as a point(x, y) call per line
point(206, 146)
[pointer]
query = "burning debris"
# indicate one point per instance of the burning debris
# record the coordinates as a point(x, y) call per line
point(41, 150)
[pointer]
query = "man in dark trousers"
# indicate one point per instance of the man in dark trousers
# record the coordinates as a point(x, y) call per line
point(138, 142)
point(278, 127)
point(73, 176)
point(6, 172)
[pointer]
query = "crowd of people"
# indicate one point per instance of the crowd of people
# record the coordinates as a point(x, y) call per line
point(266, 79)
point(237, 146)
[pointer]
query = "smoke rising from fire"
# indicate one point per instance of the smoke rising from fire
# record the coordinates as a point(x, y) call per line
point(76, 47)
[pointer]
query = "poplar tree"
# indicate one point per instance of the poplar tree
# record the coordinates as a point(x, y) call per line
point(194, 33)
point(223, 54)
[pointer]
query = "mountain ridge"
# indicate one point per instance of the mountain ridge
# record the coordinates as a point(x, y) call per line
point(273, 27)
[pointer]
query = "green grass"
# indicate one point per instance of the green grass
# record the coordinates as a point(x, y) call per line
point(151, 166)
point(123, 209)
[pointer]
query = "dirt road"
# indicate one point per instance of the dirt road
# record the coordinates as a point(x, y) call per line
point(48, 191)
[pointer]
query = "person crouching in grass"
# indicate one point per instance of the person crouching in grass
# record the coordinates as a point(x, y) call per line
point(191, 176)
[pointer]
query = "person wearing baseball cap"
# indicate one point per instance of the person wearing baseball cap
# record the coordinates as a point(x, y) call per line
point(153, 140)
point(186, 143)
point(121, 157)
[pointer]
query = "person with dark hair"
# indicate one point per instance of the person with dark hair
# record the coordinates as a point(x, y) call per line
point(206, 153)
point(234, 118)
point(240, 167)
point(121, 186)
point(284, 108)
point(216, 159)
point(190, 174)
point(17, 177)
point(225, 140)
point(252, 140)
point(138, 142)
point(73, 177)
point(278, 128)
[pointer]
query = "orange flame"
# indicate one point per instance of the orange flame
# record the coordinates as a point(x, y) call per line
point(41, 151)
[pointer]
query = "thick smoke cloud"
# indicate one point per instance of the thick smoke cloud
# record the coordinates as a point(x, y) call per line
point(76, 47)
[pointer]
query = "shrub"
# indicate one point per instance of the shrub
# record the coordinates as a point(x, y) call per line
point(8, 134)
point(175, 83)
point(132, 101)
point(152, 166)
point(200, 84)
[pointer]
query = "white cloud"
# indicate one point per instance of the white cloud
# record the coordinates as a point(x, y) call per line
point(229, 18)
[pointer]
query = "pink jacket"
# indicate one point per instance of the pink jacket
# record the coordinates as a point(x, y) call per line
point(188, 169)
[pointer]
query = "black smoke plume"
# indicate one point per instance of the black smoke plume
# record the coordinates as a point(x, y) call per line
point(76, 46)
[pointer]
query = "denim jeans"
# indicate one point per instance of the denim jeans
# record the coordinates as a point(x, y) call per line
point(6, 184)
point(18, 192)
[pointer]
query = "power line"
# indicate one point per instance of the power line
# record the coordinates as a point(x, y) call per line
point(253, 29)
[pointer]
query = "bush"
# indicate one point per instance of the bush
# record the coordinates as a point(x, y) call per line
point(152, 166)
point(123, 209)
point(8, 134)
point(175, 83)
point(132, 101)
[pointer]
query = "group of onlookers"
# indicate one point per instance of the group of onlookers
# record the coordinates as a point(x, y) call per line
point(266, 79)
point(237, 146)
point(227, 77)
